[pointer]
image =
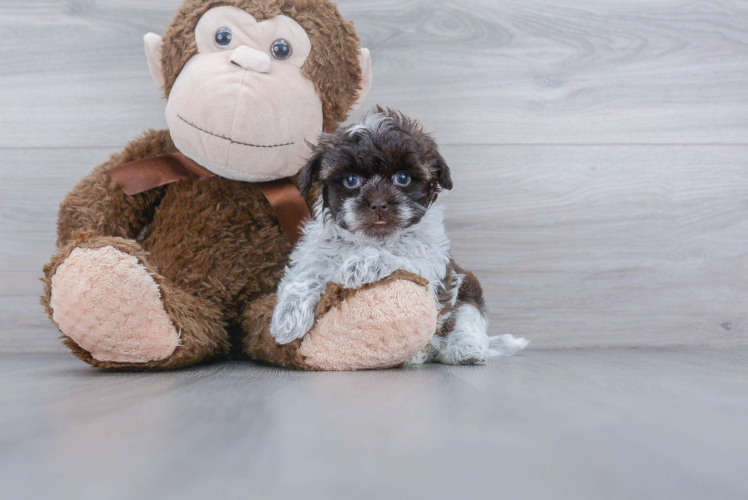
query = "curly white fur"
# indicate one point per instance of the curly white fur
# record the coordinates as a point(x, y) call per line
point(328, 252)
point(469, 342)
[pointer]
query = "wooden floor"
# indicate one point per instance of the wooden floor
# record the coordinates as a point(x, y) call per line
point(600, 157)
point(576, 424)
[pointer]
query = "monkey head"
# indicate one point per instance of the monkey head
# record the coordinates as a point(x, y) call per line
point(249, 82)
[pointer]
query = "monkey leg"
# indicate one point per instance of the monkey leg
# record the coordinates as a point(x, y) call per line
point(381, 325)
point(115, 311)
point(260, 344)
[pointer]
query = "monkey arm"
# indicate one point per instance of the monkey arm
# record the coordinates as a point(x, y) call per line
point(96, 205)
point(379, 325)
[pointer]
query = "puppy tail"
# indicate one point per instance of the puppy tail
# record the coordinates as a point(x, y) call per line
point(505, 345)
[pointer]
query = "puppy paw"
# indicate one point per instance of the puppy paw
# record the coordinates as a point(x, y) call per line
point(469, 343)
point(292, 319)
point(366, 267)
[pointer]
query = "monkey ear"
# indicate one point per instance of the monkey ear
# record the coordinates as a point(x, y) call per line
point(153, 46)
point(309, 174)
point(364, 60)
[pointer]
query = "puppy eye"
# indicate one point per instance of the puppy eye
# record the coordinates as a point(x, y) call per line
point(402, 179)
point(352, 181)
point(281, 49)
point(224, 37)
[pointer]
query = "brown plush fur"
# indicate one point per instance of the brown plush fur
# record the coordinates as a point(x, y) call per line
point(214, 246)
point(206, 337)
point(334, 46)
point(260, 344)
point(96, 205)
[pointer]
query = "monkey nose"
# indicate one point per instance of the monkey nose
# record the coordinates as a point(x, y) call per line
point(251, 59)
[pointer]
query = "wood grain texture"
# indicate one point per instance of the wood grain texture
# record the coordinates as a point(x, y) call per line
point(606, 245)
point(72, 73)
point(33, 185)
point(576, 201)
point(564, 424)
point(575, 245)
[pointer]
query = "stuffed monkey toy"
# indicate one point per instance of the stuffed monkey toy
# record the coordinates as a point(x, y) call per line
point(169, 254)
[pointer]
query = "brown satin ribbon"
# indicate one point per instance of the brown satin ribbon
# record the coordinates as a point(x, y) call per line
point(290, 207)
point(141, 175)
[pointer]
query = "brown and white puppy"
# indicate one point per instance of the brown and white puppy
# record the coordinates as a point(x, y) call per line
point(376, 213)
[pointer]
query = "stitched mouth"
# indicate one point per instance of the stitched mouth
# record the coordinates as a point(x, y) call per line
point(232, 141)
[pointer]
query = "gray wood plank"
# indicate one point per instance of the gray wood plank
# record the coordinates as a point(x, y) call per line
point(606, 245)
point(34, 183)
point(575, 245)
point(576, 424)
point(72, 73)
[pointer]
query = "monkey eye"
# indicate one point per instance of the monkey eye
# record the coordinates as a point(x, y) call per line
point(351, 181)
point(281, 49)
point(224, 37)
point(402, 179)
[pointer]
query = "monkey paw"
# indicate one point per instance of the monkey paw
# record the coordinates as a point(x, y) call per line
point(106, 301)
point(378, 326)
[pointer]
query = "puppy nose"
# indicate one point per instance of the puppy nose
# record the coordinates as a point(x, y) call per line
point(251, 59)
point(379, 206)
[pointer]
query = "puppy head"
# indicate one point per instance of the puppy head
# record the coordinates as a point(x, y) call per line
point(378, 176)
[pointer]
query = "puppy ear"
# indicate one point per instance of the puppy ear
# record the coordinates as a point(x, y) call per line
point(443, 176)
point(309, 174)
point(428, 150)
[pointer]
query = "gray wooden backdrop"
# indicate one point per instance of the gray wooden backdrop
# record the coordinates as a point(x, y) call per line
point(599, 150)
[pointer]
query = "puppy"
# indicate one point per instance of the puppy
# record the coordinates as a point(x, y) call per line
point(376, 213)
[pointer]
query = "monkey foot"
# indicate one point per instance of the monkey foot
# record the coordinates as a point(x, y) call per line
point(377, 327)
point(106, 301)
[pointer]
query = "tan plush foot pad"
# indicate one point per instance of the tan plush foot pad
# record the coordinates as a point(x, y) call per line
point(378, 327)
point(106, 301)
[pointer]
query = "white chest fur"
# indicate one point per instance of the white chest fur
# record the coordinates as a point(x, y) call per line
point(330, 253)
